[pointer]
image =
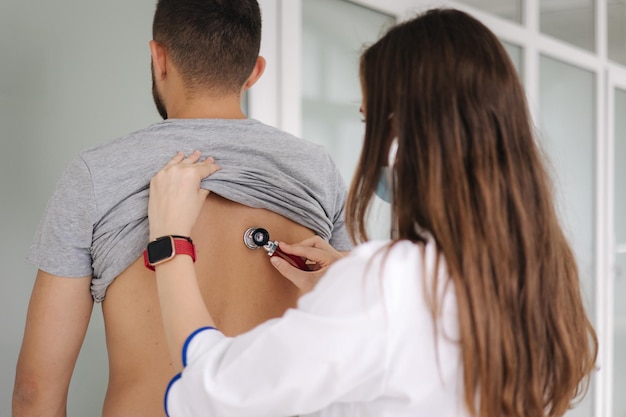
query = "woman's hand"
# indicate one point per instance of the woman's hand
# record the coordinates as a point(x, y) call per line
point(175, 194)
point(319, 255)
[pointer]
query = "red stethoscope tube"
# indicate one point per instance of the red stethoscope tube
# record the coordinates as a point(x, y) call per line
point(292, 259)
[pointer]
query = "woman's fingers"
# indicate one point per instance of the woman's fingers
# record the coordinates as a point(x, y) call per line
point(176, 159)
point(319, 255)
point(206, 167)
point(203, 168)
point(305, 281)
point(192, 158)
point(175, 194)
point(314, 242)
point(310, 253)
point(314, 249)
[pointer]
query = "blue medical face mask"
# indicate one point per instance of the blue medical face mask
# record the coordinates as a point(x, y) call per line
point(385, 181)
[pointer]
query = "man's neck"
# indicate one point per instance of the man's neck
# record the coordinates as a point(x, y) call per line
point(228, 107)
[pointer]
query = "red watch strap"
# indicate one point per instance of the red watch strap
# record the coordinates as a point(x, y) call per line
point(182, 246)
point(185, 247)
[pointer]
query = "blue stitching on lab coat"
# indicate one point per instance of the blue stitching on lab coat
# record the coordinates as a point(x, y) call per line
point(191, 336)
point(167, 391)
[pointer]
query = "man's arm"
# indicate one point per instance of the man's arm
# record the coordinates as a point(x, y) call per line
point(57, 320)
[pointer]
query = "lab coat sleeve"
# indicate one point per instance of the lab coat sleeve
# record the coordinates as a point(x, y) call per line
point(331, 349)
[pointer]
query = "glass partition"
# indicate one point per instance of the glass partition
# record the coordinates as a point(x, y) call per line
point(620, 167)
point(567, 131)
point(567, 135)
point(616, 26)
point(571, 21)
point(334, 34)
point(619, 338)
point(507, 9)
point(619, 318)
point(515, 53)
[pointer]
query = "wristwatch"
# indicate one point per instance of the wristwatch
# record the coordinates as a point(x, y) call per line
point(165, 248)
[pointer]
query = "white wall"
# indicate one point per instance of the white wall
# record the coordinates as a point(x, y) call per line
point(73, 73)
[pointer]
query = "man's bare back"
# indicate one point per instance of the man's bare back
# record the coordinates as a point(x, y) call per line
point(239, 285)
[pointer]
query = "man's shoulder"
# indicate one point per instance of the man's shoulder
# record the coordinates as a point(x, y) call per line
point(121, 140)
point(204, 128)
point(261, 129)
point(248, 141)
point(191, 130)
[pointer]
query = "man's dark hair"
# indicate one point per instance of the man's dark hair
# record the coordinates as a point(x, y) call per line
point(213, 43)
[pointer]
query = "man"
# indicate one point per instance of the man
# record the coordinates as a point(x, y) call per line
point(90, 240)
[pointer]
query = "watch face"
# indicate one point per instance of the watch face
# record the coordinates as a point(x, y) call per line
point(160, 249)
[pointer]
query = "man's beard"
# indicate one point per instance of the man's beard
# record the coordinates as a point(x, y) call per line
point(158, 101)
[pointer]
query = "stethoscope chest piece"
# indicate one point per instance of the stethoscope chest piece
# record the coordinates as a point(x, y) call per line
point(256, 237)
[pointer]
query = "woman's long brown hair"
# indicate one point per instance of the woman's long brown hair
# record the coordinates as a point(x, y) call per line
point(469, 172)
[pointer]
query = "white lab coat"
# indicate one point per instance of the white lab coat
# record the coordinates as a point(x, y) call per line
point(362, 343)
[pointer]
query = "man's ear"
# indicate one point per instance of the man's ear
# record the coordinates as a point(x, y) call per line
point(256, 73)
point(159, 60)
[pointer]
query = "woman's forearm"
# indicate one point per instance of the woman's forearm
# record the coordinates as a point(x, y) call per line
point(182, 307)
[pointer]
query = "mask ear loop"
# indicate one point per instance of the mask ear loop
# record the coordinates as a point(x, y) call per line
point(393, 152)
point(391, 161)
point(257, 237)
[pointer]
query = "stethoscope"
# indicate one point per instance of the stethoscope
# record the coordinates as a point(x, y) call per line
point(257, 237)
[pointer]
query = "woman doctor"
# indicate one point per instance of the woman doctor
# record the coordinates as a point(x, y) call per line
point(472, 309)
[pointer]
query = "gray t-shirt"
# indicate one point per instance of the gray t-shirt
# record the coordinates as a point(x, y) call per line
point(96, 222)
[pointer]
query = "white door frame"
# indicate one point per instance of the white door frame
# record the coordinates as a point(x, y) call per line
point(616, 79)
point(276, 98)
